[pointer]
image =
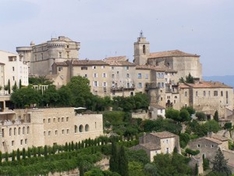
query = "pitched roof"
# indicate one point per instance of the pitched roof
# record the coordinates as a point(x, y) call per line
point(87, 62)
point(156, 68)
point(156, 106)
point(118, 61)
point(171, 53)
point(163, 134)
point(151, 146)
point(205, 84)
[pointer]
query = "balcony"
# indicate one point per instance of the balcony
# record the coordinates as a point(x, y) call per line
point(149, 86)
point(116, 89)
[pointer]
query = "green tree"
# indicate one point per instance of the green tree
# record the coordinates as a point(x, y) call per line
point(50, 96)
point(220, 164)
point(184, 115)
point(123, 162)
point(114, 160)
point(136, 168)
point(201, 116)
point(190, 110)
point(80, 90)
point(173, 114)
point(41, 80)
point(216, 116)
point(14, 88)
point(9, 87)
point(189, 79)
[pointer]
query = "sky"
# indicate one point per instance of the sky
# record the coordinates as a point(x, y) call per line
point(110, 27)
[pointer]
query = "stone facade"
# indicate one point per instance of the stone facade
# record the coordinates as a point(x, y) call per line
point(42, 56)
point(158, 142)
point(38, 127)
point(12, 69)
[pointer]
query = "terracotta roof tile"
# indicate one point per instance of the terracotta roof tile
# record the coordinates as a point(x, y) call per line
point(156, 68)
point(117, 58)
point(205, 84)
point(171, 53)
point(89, 62)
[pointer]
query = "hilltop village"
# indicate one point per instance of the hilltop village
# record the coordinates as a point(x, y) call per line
point(172, 81)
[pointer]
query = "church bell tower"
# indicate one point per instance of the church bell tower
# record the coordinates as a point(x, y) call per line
point(141, 50)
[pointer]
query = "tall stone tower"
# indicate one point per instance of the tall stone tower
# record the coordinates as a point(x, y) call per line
point(141, 50)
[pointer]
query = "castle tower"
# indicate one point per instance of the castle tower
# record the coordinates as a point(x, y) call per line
point(141, 50)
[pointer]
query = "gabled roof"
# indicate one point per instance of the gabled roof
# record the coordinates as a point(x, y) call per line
point(171, 53)
point(88, 62)
point(204, 84)
point(118, 61)
point(163, 134)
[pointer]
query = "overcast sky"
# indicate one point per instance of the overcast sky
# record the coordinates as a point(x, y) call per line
point(110, 27)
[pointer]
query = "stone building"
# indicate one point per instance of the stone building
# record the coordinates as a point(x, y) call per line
point(207, 96)
point(183, 63)
point(158, 142)
point(23, 128)
point(13, 70)
point(42, 56)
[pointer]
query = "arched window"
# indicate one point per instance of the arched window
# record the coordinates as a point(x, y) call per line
point(28, 130)
point(23, 130)
point(75, 128)
point(143, 49)
point(86, 127)
point(14, 131)
point(19, 131)
point(81, 128)
point(10, 132)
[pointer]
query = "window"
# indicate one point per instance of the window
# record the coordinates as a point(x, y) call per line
point(10, 132)
point(48, 120)
point(75, 128)
point(25, 141)
point(86, 127)
point(23, 130)
point(126, 67)
point(143, 49)
point(94, 67)
point(104, 84)
point(112, 68)
point(198, 145)
point(84, 68)
point(204, 93)
point(41, 56)
point(95, 75)
point(53, 119)
point(28, 130)
point(196, 93)
point(146, 76)
point(113, 76)
point(104, 75)
point(21, 142)
point(95, 83)
point(127, 75)
point(85, 75)
point(139, 85)
point(56, 132)
point(81, 128)
point(68, 54)
point(58, 119)
point(43, 120)
point(12, 143)
point(62, 131)
point(215, 93)
point(139, 76)
point(67, 131)
point(13, 78)
point(67, 118)
point(208, 93)
point(221, 93)
point(49, 133)
point(185, 93)
point(60, 54)
point(19, 131)
point(13, 68)
point(62, 119)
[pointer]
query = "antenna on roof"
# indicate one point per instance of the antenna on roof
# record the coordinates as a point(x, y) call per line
point(141, 33)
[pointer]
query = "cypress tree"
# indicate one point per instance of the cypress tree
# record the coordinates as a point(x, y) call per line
point(45, 151)
point(24, 153)
point(0, 157)
point(18, 155)
point(6, 156)
point(114, 160)
point(123, 163)
point(13, 156)
point(216, 116)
